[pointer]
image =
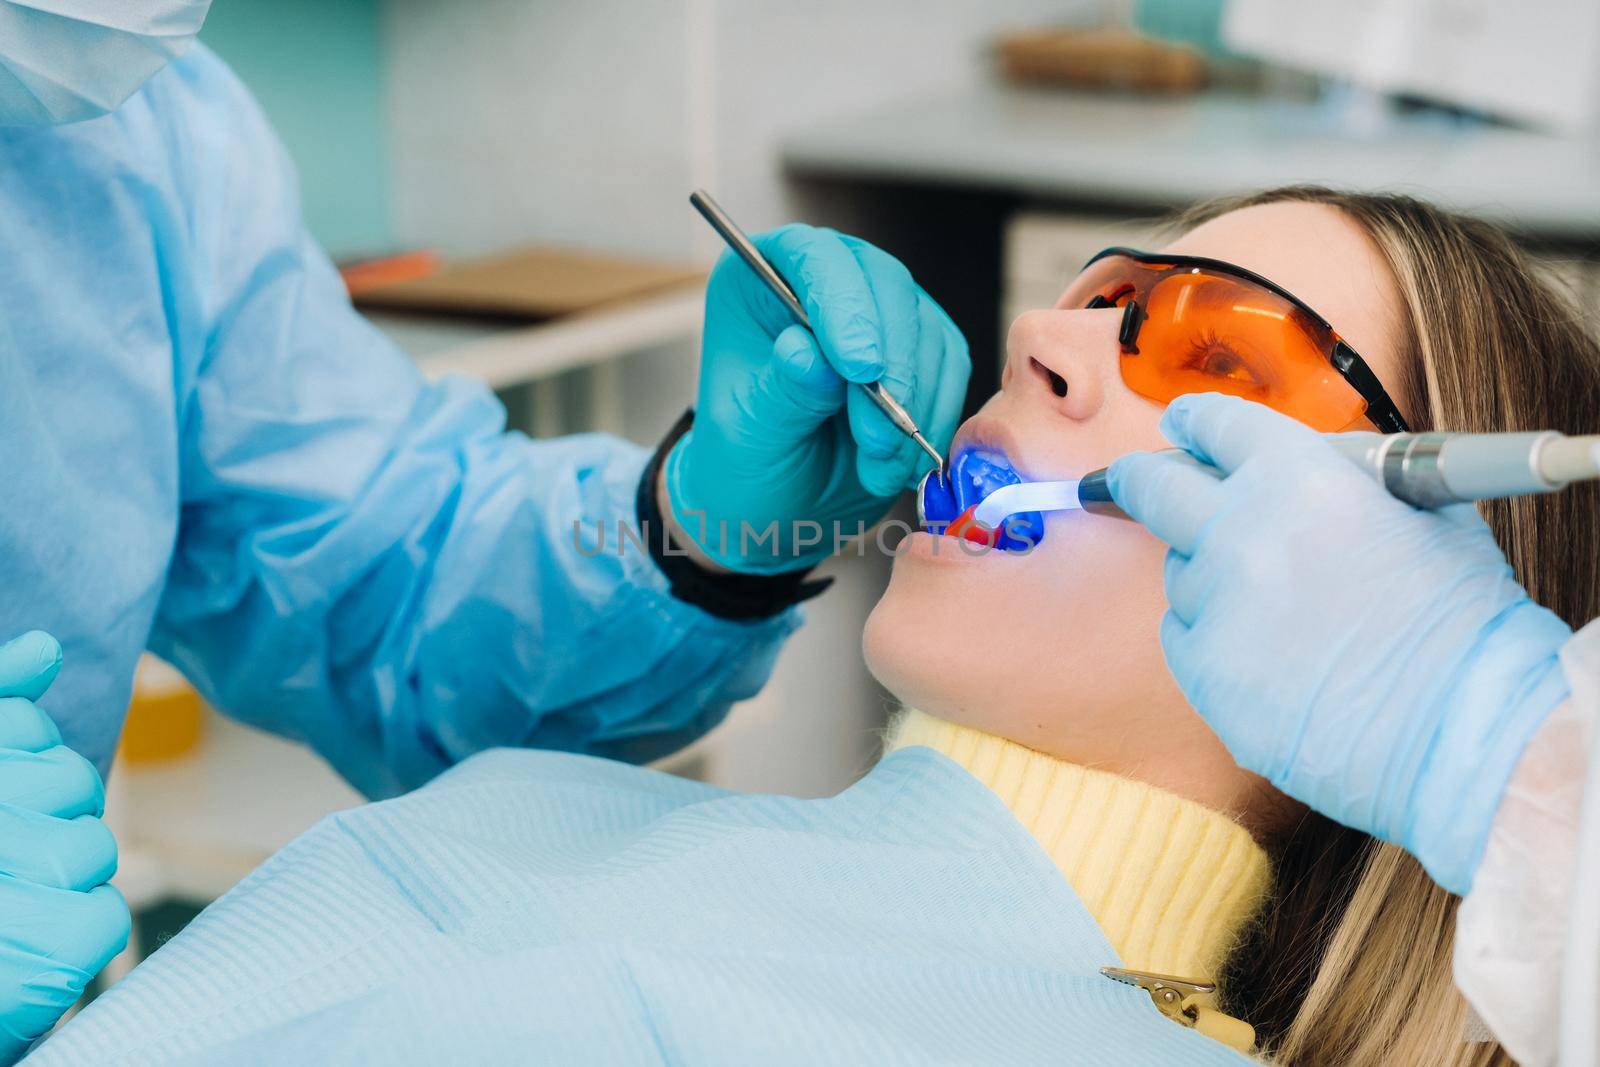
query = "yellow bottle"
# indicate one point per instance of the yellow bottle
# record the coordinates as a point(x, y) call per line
point(166, 717)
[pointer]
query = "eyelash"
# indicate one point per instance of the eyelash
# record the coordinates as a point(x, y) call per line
point(1209, 343)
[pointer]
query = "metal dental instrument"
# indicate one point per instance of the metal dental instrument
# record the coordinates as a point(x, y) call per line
point(730, 232)
point(1427, 470)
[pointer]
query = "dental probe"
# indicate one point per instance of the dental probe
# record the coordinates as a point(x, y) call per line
point(747, 251)
point(1427, 470)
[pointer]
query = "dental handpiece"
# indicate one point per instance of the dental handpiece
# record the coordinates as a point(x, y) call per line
point(1427, 470)
point(729, 231)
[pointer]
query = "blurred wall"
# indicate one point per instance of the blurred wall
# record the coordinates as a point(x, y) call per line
point(316, 68)
point(589, 123)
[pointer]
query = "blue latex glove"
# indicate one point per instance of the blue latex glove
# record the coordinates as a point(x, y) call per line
point(1375, 661)
point(59, 920)
point(777, 436)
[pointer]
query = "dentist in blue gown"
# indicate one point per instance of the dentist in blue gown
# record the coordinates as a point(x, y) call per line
point(207, 453)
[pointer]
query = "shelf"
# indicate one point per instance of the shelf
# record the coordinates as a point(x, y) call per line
point(506, 356)
point(1123, 153)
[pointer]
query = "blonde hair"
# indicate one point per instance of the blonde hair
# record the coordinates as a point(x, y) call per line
point(1352, 966)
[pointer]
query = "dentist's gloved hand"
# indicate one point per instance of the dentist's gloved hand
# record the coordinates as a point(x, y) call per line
point(777, 436)
point(1375, 661)
point(60, 923)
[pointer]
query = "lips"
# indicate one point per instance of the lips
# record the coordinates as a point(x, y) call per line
point(975, 473)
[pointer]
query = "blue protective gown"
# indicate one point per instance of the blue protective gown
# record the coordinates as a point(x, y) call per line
point(534, 907)
point(206, 452)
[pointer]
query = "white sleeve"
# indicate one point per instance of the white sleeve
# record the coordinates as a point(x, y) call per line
point(1580, 1029)
point(1515, 926)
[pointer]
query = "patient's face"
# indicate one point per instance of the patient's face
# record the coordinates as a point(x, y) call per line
point(1059, 648)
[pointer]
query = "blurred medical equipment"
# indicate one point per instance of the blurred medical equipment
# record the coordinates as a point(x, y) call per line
point(1196, 325)
point(67, 60)
point(60, 923)
point(1427, 470)
point(1543, 56)
point(736, 239)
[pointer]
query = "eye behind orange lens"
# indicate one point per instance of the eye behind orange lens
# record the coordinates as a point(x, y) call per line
point(1206, 332)
point(1202, 330)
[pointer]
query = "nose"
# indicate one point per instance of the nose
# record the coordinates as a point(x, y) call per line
point(1063, 358)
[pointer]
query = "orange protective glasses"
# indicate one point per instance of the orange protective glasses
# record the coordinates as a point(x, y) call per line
point(1195, 325)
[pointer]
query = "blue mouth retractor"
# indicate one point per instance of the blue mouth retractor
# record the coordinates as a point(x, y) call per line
point(985, 482)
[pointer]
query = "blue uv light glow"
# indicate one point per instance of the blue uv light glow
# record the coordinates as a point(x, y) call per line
point(974, 474)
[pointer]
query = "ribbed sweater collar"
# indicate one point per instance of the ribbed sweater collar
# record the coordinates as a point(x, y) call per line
point(1171, 883)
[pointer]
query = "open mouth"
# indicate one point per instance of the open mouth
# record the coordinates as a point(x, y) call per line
point(946, 505)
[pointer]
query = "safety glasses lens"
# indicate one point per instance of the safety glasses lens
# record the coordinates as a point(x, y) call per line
point(1206, 332)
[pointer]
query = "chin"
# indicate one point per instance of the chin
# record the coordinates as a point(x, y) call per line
point(1058, 649)
point(906, 656)
point(959, 623)
point(935, 638)
point(1082, 678)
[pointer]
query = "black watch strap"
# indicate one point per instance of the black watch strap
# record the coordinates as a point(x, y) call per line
point(729, 594)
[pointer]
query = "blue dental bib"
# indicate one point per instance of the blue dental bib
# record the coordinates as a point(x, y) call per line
point(534, 907)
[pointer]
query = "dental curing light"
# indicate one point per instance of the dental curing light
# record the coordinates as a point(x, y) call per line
point(1426, 470)
point(1434, 470)
point(1001, 504)
point(1012, 516)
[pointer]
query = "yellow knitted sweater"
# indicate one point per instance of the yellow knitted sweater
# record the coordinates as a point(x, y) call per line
point(1171, 883)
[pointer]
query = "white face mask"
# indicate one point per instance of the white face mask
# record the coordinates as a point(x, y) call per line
point(66, 60)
